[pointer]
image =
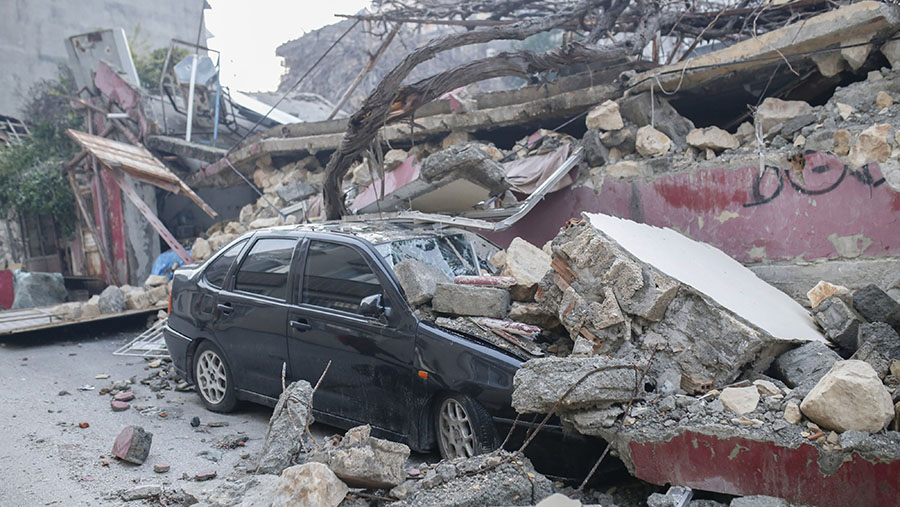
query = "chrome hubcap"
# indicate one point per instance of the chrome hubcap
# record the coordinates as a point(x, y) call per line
point(211, 376)
point(455, 428)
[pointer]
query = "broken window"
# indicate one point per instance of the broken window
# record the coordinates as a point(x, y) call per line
point(452, 254)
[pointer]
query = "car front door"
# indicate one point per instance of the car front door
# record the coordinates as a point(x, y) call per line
point(252, 315)
point(371, 374)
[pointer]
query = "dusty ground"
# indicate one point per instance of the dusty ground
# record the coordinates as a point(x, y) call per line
point(46, 459)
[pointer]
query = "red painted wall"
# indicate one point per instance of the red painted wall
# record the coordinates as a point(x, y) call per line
point(7, 289)
point(781, 214)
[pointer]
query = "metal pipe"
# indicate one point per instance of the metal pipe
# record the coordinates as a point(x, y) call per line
point(190, 104)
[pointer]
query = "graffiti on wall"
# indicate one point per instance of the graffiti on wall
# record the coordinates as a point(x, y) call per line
point(828, 169)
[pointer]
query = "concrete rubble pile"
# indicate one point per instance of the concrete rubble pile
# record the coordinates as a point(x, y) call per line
point(153, 293)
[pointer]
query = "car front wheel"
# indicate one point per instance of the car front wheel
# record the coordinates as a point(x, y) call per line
point(464, 428)
point(213, 380)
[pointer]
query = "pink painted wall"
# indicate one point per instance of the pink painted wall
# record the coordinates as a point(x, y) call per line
point(7, 293)
point(823, 211)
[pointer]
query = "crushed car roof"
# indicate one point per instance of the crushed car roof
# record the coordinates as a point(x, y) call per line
point(374, 232)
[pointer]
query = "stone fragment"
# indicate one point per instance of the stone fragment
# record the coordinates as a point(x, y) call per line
point(766, 388)
point(595, 152)
point(774, 111)
point(740, 400)
point(839, 321)
point(844, 110)
point(295, 191)
point(419, 280)
point(792, 413)
point(112, 300)
point(119, 406)
point(133, 445)
point(856, 50)
point(236, 228)
point(872, 145)
point(158, 295)
point(823, 290)
point(540, 383)
point(558, 500)
point(622, 139)
point(67, 311)
point(205, 476)
point(261, 223)
point(144, 492)
point(875, 305)
point(637, 109)
point(527, 264)
point(808, 362)
point(156, 281)
point(200, 251)
point(309, 485)
point(745, 133)
point(470, 300)
point(883, 100)
point(455, 137)
point(605, 117)
point(363, 461)
point(849, 397)
point(879, 345)
point(534, 314)
point(161, 468)
point(842, 140)
point(891, 51)
point(651, 142)
point(362, 175)
point(830, 63)
point(284, 435)
point(393, 158)
point(125, 396)
point(624, 169)
point(712, 138)
point(38, 289)
point(138, 299)
point(759, 501)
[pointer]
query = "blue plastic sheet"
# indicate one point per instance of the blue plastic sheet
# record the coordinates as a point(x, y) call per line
point(163, 264)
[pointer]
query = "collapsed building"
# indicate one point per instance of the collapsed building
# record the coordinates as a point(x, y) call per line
point(662, 355)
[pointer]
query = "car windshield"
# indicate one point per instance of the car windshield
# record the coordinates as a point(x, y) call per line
point(453, 254)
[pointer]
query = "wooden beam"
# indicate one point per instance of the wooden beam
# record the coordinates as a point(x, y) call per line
point(82, 208)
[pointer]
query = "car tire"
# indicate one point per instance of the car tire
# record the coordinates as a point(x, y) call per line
point(464, 428)
point(213, 379)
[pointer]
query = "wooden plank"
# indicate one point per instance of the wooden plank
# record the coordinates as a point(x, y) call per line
point(7, 329)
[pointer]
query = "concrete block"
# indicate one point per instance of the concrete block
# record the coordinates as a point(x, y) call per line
point(849, 397)
point(363, 461)
point(470, 300)
point(133, 445)
point(875, 305)
point(807, 362)
point(540, 383)
point(879, 345)
point(839, 321)
point(419, 280)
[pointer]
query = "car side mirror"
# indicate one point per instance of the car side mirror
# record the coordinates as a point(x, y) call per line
point(373, 307)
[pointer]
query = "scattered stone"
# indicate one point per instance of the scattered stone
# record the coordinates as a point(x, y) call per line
point(637, 109)
point(766, 388)
point(883, 100)
point(740, 400)
point(139, 299)
point(808, 362)
point(842, 140)
point(849, 397)
point(84, 425)
point(156, 363)
point(262, 223)
point(38, 289)
point(471, 300)
point(527, 264)
point(875, 305)
point(205, 476)
point(879, 345)
point(712, 138)
point(651, 142)
point(133, 445)
point(872, 145)
point(309, 485)
point(540, 383)
point(119, 406)
point(156, 281)
point(363, 461)
point(605, 117)
point(295, 191)
point(844, 110)
point(774, 111)
point(823, 290)
point(126, 396)
point(64, 393)
point(839, 320)
point(141, 493)
point(112, 300)
point(161, 468)
point(284, 435)
point(856, 50)
point(419, 280)
point(195, 421)
point(830, 63)
point(792, 413)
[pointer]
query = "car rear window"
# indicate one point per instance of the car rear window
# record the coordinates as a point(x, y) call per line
point(217, 269)
point(337, 277)
point(265, 270)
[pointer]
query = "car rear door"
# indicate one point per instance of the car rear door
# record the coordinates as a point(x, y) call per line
point(251, 321)
point(371, 374)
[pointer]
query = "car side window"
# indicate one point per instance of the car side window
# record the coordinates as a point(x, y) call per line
point(265, 270)
point(217, 269)
point(337, 277)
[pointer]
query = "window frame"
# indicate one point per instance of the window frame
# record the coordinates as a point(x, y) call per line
point(226, 285)
point(232, 281)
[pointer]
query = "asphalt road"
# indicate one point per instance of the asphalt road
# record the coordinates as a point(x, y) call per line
point(47, 459)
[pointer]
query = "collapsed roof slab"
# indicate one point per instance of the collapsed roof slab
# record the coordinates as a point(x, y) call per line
point(831, 29)
point(538, 106)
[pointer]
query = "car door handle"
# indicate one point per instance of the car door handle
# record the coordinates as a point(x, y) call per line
point(301, 325)
point(225, 308)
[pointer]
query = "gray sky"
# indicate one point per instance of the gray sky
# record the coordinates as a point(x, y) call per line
point(247, 34)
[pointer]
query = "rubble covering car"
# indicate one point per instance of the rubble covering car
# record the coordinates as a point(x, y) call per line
point(292, 299)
